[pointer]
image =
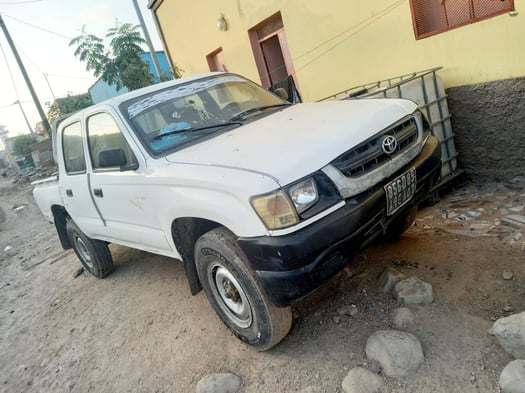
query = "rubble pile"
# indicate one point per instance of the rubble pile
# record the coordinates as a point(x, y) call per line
point(28, 175)
point(496, 210)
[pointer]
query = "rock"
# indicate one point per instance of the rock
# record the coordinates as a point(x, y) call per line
point(413, 291)
point(311, 389)
point(510, 333)
point(512, 378)
point(350, 311)
point(514, 221)
point(337, 319)
point(360, 380)
point(399, 353)
point(520, 179)
point(507, 275)
point(219, 383)
point(78, 272)
point(402, 317)
point(389, 278)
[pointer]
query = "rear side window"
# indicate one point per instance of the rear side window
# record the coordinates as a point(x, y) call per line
point(74, 159)
point(105, 137)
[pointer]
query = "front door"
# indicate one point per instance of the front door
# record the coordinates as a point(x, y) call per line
point(123, 196)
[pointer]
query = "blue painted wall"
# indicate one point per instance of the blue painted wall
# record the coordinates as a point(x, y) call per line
point(101, 91)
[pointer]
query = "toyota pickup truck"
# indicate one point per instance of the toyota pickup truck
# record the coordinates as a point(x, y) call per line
point(261, 200)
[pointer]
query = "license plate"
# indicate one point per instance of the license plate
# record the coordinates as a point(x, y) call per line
point(400, 190)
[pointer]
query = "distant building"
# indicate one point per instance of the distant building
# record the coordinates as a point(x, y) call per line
point(101, 91)
point(6, 146)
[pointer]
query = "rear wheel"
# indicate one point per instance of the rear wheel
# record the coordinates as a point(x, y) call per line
point(235, 294)
point(94, 254)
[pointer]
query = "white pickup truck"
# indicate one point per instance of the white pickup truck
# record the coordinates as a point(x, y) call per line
point(263, 201)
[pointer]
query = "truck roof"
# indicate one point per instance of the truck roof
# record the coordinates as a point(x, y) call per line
point(115, 101)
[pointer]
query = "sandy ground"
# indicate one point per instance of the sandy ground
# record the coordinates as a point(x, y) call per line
point(140, 330)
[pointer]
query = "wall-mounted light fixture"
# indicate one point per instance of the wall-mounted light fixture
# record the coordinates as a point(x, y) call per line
point(222, 24)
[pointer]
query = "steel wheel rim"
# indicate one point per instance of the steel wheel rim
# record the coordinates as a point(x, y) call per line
point(83, 251)
point(230, 295)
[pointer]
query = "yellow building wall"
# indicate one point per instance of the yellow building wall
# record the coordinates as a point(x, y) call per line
point(338, 44)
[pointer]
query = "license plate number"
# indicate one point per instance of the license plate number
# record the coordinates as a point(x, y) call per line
point(400, 190)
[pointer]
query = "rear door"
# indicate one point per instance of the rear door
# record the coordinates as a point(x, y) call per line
point(73, 182)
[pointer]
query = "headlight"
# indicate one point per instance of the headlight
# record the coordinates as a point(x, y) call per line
point(275, 210)
point(304, 195)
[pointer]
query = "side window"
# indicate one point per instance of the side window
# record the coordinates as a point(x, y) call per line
point(107, 146)
point(74, 159)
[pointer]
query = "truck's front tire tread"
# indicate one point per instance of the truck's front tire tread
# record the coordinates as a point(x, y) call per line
point(256, 320)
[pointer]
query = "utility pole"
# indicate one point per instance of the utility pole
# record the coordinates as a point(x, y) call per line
point(156, 64)
point(25, 117)
point(26, 77)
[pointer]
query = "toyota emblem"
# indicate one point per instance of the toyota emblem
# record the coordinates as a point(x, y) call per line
point(389, 144)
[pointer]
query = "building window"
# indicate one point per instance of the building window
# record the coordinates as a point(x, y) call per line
point(216, 61)
point(436, 16)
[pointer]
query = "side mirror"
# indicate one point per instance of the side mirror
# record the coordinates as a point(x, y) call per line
point(281, 93)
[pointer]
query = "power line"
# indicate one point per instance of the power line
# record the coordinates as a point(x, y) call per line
point(373, 17)
point(21, 2)
point(71, 77)
point(365, 23)
point(357, 28)
point(38, 27)
point(10, 72)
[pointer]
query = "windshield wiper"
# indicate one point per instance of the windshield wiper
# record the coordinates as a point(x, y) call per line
point(256, 109)
point(190, 129)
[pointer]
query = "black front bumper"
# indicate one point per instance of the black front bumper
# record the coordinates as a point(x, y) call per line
point(291, 266)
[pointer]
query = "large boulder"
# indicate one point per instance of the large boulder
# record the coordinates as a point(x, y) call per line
point(219, 383)
point(389, 278)
point(512, 378)
point(399, 353)
point(413, 291)
point(360, 380)
point(510, 333)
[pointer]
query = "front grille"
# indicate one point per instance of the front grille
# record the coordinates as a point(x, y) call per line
point(369, 155)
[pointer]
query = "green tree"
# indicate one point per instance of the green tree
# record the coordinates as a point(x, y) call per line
point(21, 144)
point(121, 65)
point(66, 105)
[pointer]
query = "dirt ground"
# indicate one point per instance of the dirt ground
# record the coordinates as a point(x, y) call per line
point(140, 330)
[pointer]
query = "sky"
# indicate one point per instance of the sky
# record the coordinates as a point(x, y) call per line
point(41, 31)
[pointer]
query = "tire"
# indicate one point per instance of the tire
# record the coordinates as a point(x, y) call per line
point(94, 254)
point(401, 224)
point(235, 294)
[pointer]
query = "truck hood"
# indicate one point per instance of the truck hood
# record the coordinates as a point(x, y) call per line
point(298, 140)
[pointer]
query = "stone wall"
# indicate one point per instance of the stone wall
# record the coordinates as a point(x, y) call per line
point(489, 125)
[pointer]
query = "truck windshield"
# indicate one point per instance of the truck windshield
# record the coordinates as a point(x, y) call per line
point(185, 113)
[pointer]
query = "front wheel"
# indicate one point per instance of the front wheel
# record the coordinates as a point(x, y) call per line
point(94, 254)
point(235, 294)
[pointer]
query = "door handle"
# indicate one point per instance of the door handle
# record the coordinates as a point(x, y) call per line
point(98, 192)
point(69, 192)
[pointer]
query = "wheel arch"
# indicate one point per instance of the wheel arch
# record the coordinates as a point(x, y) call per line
point(60, 216)
point(185, 232)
